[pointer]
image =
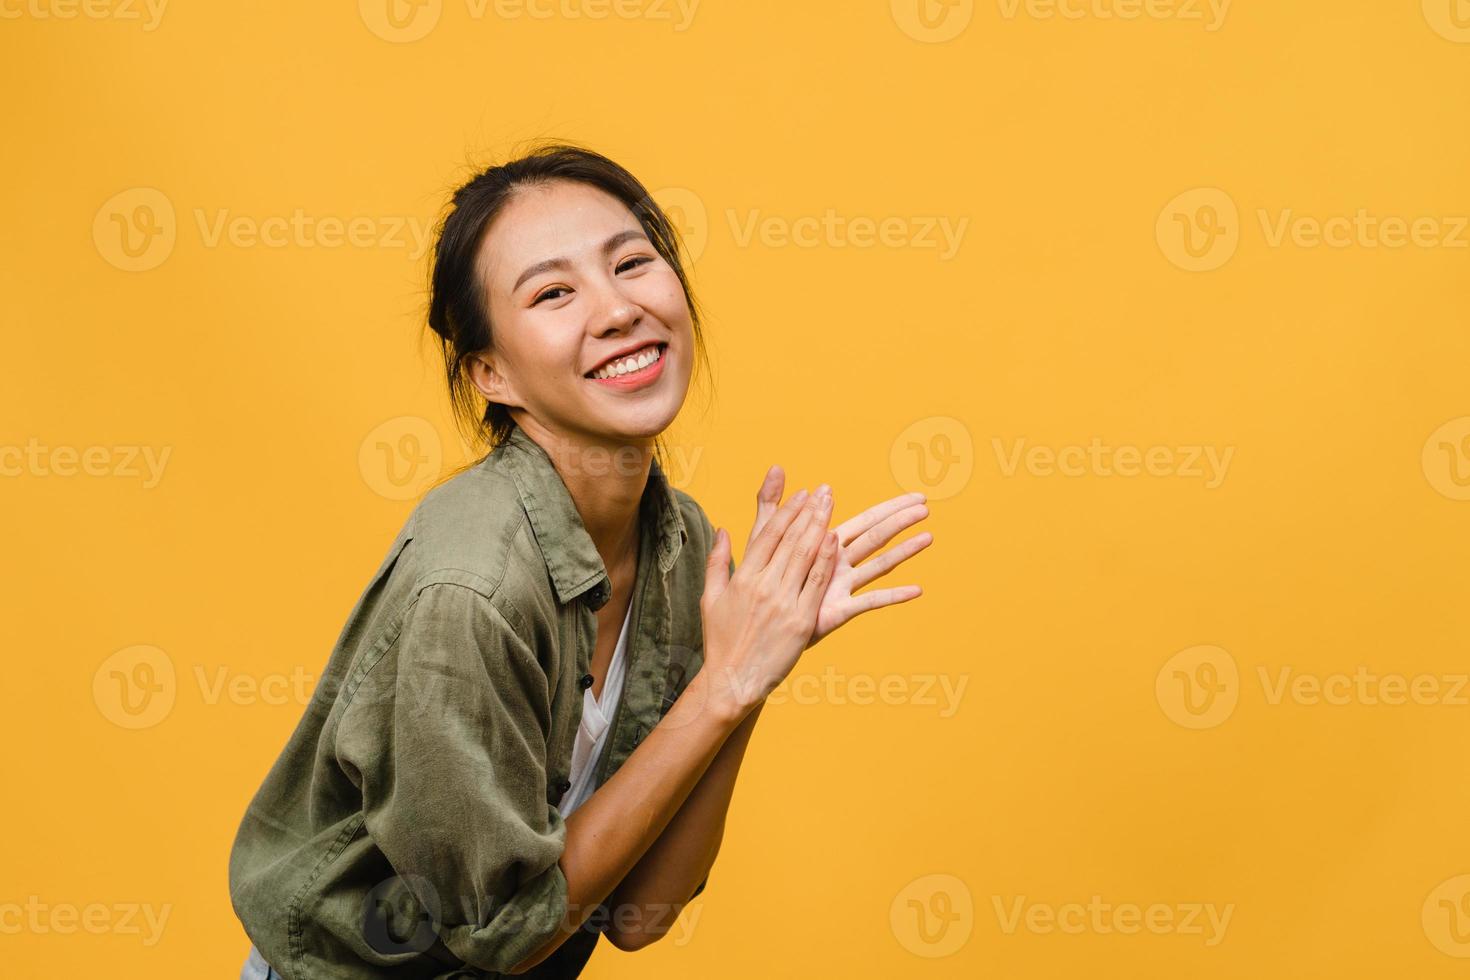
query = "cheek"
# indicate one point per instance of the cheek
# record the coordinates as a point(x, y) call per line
point(666, 299)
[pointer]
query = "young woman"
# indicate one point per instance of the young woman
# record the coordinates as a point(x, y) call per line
point(529, 730)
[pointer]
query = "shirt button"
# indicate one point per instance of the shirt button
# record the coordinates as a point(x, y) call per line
point(563, 785)
point(585, 681)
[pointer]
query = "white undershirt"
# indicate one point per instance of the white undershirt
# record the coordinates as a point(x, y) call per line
point(596, 722)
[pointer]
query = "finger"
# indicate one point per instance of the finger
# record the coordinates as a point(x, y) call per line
point(766, 500)
point(804, 550)
point(889, 560)
point(717, 567)
point(820, 576)
point(884, 531)
point(795, 534)
point(854, 526)
point(878, 598)
point(758, 555)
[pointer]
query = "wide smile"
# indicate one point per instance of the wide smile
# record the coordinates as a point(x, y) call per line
point(636, 370)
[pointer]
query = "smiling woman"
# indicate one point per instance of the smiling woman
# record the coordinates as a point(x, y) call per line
point(529, 731)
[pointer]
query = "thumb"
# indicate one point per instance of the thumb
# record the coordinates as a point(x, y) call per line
point(717, 566)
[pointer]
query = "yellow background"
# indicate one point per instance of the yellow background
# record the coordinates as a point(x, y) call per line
point(1335, 541)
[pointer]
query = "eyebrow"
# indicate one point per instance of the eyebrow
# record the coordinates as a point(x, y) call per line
point(559, 263)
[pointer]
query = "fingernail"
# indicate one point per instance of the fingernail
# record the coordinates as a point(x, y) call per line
point(824, 488)
point(826, 503)
point(800, 495)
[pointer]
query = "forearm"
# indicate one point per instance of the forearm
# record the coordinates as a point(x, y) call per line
point(647, 903)
point(609, 833)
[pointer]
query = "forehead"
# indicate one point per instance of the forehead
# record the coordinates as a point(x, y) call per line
point(560, 219)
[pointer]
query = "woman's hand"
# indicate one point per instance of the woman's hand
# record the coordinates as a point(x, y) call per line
point(857, 538)
point(758, 621)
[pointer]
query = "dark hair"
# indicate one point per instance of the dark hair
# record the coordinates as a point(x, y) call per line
point(459, 306)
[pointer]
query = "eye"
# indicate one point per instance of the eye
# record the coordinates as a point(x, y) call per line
point(635, 262)
point(549, 294)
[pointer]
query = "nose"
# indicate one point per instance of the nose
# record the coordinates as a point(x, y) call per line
point(615, 312)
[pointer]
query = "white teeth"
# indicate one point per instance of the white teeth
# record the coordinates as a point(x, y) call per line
point(634, 362)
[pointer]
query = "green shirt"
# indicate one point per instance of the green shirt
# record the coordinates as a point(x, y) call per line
point(409, 827)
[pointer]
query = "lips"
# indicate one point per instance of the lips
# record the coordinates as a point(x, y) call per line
point(658, 346)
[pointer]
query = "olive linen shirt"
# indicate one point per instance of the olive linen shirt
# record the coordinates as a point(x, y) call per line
point(409, 828)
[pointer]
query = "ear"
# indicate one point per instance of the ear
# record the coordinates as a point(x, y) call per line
point(488, 379)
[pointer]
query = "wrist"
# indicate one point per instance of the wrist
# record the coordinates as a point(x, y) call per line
point(727, 700)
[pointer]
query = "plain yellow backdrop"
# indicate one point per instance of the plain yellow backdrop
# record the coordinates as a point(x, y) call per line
point(1163, 302)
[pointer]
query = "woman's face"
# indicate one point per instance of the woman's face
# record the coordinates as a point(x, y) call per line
point(575, 286)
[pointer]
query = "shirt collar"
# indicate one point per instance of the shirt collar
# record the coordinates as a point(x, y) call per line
point(571, 557)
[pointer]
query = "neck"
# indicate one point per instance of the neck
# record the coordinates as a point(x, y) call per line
point(606, 479)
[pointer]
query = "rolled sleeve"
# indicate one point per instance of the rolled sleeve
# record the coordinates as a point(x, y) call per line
point(448, 735)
